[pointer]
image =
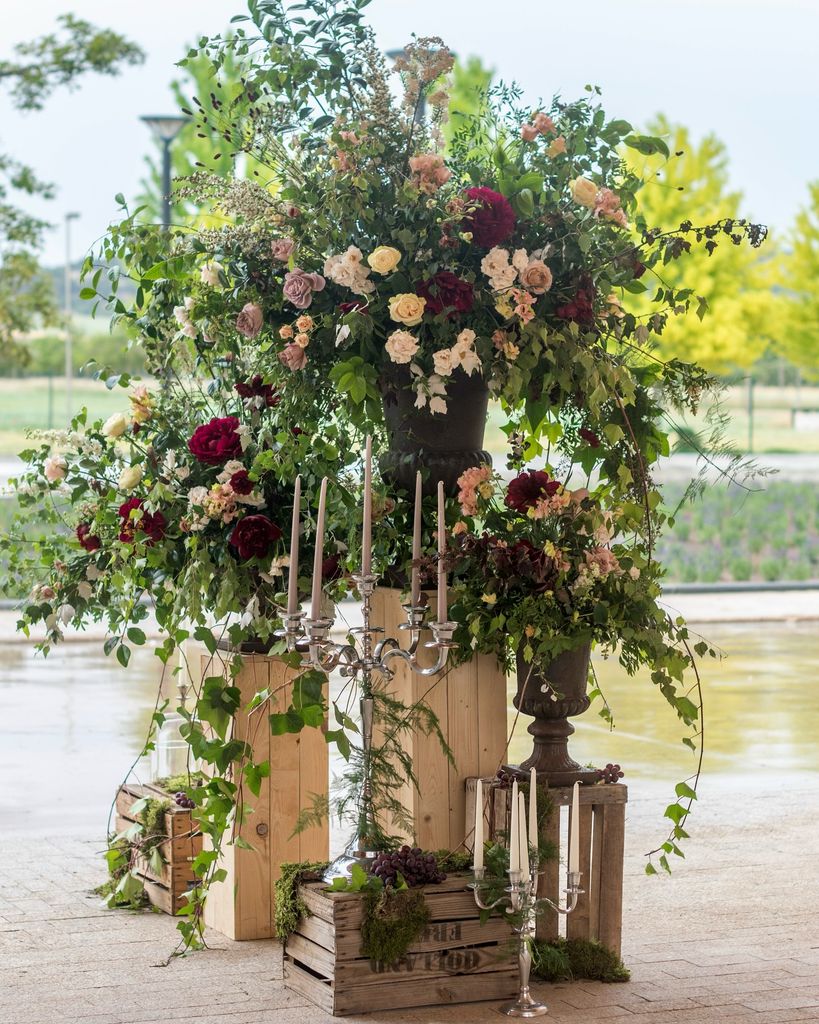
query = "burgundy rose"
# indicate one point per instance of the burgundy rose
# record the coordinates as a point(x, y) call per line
point(253, 536)
point(527, 489)
point(331, 568)
point(580, 309)
point(151, 523)
point(356, 306)
point(589, 436)
point(256, 388)
point(241, 482)
point(215, 442)
point(88, 540)
point(493, 220)
point(446, 291)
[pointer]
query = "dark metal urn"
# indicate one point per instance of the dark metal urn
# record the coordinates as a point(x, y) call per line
point(551, 695)
point(442, 444)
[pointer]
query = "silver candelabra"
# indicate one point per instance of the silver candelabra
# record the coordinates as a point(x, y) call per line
point(364, 659)
point(521, 899)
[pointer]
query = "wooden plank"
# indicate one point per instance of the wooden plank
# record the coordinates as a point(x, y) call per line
point(493, 715)
point(438, 935)
point(317, 990)
point(547, 926)
point(577, 923)
point(463, 736)
point(611, 877)
point(595, 874)
point(436, 991)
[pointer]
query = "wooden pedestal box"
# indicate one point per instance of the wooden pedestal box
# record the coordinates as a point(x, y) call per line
point(470, 702)
point(241, 906)
point(599, 913)
point(456, 960)
point(166, 888)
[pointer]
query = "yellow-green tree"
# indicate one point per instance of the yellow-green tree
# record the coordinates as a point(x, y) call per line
point(692, 185)
point(798, 339)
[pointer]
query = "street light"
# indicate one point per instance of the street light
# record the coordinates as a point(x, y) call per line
point(69, 361)
point(165, 128)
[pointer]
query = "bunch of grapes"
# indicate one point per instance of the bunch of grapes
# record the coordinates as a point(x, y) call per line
point(611, 773)
point(183, 800)
point(415, 867)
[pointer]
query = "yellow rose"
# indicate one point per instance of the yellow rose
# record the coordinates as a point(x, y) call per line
point(384, 259)
point(130, 477)
point(407, 308)
point(583, 192)
point(489, 599)
point(115, 425)
point(505, 306)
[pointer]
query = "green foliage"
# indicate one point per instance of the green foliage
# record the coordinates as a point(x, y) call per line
point(288, 908)
point(577, 960)
point(799, 277)
point(393, 920)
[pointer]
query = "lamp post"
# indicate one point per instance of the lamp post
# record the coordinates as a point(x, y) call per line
point(69, 360)
point(165, 128)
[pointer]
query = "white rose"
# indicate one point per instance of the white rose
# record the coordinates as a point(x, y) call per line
point(85, 590)
point(209, 274)
point(401, 346)
point(54, 468)
point(520, 260)
point(115, 425)
point(67, 613)
point(445, 359)
point(197, 495)
point(130, 477)
point(465, 338)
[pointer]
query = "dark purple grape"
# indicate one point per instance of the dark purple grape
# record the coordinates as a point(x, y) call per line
point(414, 866)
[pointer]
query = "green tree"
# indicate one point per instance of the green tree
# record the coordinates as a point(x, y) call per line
point(31, 75)
point(467, 94)
point(692, 185)
point(798, 340)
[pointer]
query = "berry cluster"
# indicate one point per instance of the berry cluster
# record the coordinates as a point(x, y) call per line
point(183, 800)
point(414, 866)
point(611, 773)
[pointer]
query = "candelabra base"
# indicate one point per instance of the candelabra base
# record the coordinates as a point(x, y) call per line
point(524, 1006)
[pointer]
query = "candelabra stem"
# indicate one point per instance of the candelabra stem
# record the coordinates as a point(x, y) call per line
point(525, 1005)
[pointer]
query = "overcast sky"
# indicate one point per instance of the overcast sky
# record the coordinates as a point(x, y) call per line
point(744, 69)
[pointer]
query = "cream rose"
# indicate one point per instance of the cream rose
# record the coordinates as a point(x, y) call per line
point(407, 308)
point(401, 346)
point(536, 277)
point(583, 192)
point(445, 359)
point(54, 468)
point(115, 425)
point(130, 477)
point(384, 259)
point(209, 274)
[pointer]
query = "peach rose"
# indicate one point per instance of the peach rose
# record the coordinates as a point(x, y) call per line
point(528, 132)
point(536, 277)
point(557, 146)
point(543, 124)
point(407, 309)
point(302, 340)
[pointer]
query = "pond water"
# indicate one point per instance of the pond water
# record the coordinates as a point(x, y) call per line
point(71, 725)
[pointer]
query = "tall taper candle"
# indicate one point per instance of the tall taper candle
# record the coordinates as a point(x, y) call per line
point(416, 544)
point(293, 573)
point(514, 831)
point(523, 838)
point(477, 853)
point(367, 531)
point(533, 810)
point(318, 559)
point(441, 554)
point(574, 831)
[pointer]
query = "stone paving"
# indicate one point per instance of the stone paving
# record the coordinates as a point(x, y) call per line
point(732, 937)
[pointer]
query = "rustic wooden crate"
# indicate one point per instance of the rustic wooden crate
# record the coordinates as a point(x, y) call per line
point(599, 912)
point(241, 906)
point(166, 888)
point(470, 702)
point(456, 960)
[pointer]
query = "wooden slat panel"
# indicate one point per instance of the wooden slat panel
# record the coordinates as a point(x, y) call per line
point(463, 736)
point(317, 990)
point(492, 715)
point(549, 882)
point(437, 991)
point(577, 923)
point(595, 875)
point(611, 877)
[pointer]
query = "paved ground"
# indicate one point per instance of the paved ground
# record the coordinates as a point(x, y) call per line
point(732, 937)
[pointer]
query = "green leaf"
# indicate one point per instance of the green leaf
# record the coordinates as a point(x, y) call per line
point(123, 655)
point(87, 293)
point(684, 791)
point(136, 636)
point(254, 773)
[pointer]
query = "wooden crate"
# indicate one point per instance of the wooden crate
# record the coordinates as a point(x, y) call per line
point(470, 702)
point(166, 888)
point(599, 912)
point(456, 960)
point(241, 906)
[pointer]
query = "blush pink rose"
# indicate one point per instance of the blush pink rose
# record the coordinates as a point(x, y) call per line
point(282, 249)
point(293, 357)
point(543, 124)
point(299, 286)
point(249, 321)
point(429, 171)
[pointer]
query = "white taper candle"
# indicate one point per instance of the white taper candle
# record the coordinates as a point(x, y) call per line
point(293, 572)
point(415, 598)
point(533, 811)
point(318, 558)
point(574, 831)
point(514, 831)
point(367, 531)
point(477, 853)
point(523, 838)
point(442, 595)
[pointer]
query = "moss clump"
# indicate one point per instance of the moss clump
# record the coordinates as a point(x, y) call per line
point(288, 908)
point(451, 862)
point(179, 783)
point(577, 959)
point(393, 920)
